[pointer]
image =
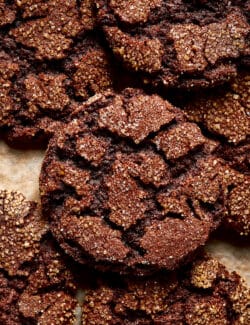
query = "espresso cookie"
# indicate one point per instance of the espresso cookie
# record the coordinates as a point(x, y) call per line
point(205, 293)
point(226, 115)
point(36, 282)
point(184, 44)
point(130, 185)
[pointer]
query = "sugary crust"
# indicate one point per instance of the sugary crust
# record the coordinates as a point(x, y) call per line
point(140, 205)
point(51, 59)
point(7, 13)
point(36, 283)
point(20, 232)
point(185, 44)
point(225, 114)
point(204, 294)
point(52, 34)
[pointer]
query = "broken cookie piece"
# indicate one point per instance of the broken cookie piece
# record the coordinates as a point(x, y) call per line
point(20, 233)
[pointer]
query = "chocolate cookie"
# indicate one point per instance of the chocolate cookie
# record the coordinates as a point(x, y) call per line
point(130, 185)
point(184, 44)
point(37, 285)
point(7, 13)
point(9, 313)
point(50, 295)
point(204, 294)
point(37, 99)
point(225, 114)
point(51, 58)
point(54, 25)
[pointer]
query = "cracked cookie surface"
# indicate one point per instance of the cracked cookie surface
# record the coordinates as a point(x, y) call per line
point(130, 184)
point(51, 59)
point(204, 293)
point(37, 284)
point(185, 44)
point(225, 114)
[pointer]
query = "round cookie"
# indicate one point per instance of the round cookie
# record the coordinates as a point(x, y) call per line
point(37, 283)
point(38, 98)
point(184, 44)
point(205, 293)
point(130, 185)
point(225, 114)
point(51, 58)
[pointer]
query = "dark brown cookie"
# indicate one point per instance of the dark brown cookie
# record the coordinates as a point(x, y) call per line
point(55, 25)
point(37, 94)
point(37, 99)
point(225, 114)
point(185, 44)
point(51, 58)
point(21, 229)
point(205, 293)
point(50, 295)
point(37, 285)
point(129, 184)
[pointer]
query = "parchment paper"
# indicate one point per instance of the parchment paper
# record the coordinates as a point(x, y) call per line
point(19, 170)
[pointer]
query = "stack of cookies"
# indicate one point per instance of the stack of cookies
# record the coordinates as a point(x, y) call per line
point(144, 110)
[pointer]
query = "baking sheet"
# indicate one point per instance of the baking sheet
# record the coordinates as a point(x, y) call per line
point(19, 170)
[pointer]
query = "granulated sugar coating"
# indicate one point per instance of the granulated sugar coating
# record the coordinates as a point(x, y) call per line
point(51, 58)
point(205, 293)
point(36, 283)
point(184, 44)
point(53, 33)
point(225, 113)
point(125, 188)
point(20, 232)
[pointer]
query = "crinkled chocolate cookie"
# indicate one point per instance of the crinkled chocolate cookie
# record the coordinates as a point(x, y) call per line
point(34, 100)
point(184, 44)
point(51, 58)
point(37, 98)
point(225, 113)
point(204, 294)
point(50, 295)
point(37, 284)
point(130, 185)
point(54, 25)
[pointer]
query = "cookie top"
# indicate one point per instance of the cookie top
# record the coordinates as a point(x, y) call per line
point(186, 44)
point(130, 185)
point(225, 111)
point(205, 293)
point(51, 59)
point(53, 27)
point(38, 98)
point(225, 114)
point(36, 282)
